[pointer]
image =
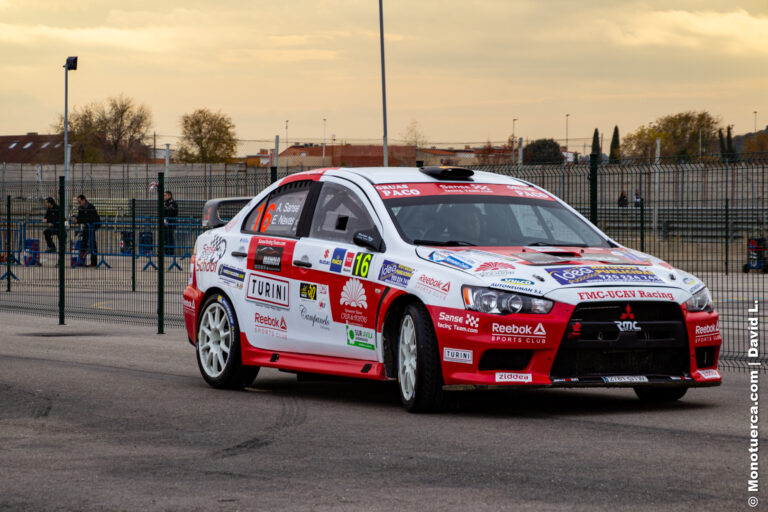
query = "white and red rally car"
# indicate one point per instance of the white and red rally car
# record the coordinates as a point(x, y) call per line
point(444, 279)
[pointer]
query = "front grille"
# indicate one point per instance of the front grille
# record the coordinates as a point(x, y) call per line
point(706, 357)
point(650, 340)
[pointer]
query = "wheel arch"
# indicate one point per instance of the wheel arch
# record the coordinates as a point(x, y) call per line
point(389, 331)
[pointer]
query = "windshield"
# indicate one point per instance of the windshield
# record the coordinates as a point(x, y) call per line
point(499, 221)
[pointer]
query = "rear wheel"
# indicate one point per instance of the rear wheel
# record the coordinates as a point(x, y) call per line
point(647, 394)
point(218, 346)
point(419, 375)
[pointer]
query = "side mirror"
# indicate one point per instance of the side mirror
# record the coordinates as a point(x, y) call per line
point(369, 238)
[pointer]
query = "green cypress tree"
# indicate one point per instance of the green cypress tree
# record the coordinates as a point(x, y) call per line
point(614, 157)
point(596, 143)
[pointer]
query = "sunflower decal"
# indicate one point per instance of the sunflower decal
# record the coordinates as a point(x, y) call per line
point(353, 295)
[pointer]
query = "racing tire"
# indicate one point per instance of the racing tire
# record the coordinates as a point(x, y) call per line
point(649, 394)
point(218, 346)
point(419, 374)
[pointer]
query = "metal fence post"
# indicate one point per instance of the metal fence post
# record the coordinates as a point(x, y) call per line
point(727, 235)
point(62, 249)
point(593, 188)
point(642, 225)
point(8, 255)
point(160, 253)
point(272, 174)
point(134, 241)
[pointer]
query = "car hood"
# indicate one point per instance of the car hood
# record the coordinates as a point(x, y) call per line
point(609, 273)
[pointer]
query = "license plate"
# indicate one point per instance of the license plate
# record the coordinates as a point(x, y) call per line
point(616, 379)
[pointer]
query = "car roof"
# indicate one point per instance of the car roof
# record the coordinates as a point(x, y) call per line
point(381, 175)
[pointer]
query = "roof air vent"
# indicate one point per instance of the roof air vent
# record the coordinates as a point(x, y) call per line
point(448, 173)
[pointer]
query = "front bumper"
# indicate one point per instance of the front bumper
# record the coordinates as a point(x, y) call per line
point(579, 346)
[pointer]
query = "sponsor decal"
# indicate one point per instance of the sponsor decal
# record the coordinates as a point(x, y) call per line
point(337, 260)
point(531, 192)
point(395, 273)
point(270, 325)
point(451, 259)
point(625, 294)
point(397, 190)
point(709, 333)
point(361, 337)
point(319, 320)
point(602, 274)
point(433, 286)
point(627, 322)
point(348, 262)
point(455, 355)
point(308, 291)
point(205, 266)
point(518, 333)
point(709, 374)
point(623, 379)
point(474, 188)
point(213, 250)
point(188, 304)
point(688, 280)
point(458, 322)
point(517, 281)
point(491, 267)
point(513, 377)
point(353, 295)
point(268, 290)
point(232, 276)
point(268, 258)
point(324, 259)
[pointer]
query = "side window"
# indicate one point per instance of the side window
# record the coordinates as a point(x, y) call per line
point(278, 214)
point(339, 214)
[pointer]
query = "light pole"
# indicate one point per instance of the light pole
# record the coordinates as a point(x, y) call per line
point(755, 112)
point(71, 63)
point(286, 134)
point(566, 132)
point(383, 81)
point(513, 136)
point(323, 142)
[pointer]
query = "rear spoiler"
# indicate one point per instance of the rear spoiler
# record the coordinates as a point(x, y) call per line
point(217, 212)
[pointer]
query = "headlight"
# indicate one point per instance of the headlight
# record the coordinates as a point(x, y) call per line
point(488, 300)
point(701, 301)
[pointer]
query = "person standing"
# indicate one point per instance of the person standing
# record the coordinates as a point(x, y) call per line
point(88, 218)
point(171, 211)
point(51, 220)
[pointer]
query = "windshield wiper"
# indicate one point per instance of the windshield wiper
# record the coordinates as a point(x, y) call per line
point(547, 244)
point(444, 243)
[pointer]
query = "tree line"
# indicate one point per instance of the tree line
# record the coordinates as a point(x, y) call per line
point(117, 131)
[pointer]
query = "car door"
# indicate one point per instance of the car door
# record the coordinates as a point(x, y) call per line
point(336, 307)
point(270, 231)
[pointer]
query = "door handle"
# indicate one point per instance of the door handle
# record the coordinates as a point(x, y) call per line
point(239, 254)
point(302, 263)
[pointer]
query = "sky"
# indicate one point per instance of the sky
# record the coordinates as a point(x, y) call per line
point(462, 70)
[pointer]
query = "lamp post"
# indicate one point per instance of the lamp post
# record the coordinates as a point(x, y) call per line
point(323, 142)
point(71, 63)
point(755, 112)
point(566, 132)
point(514, 120)
point(383, 82)
point(286, 134)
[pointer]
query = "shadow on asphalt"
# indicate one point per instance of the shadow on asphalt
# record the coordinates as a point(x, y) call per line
point(518, 402)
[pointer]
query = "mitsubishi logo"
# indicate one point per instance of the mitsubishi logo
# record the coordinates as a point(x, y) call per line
point(628, 315)
point(627, 323)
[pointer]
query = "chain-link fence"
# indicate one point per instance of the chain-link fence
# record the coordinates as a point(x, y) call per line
point(710, 219)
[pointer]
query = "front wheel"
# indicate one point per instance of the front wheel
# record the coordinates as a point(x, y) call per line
point(648, 394)
point(218, 346)
point(419, 375)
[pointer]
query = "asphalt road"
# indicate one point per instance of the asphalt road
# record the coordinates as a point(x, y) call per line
point(102, 417)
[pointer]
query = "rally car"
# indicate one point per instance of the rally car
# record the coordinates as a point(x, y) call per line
point(441, 278)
